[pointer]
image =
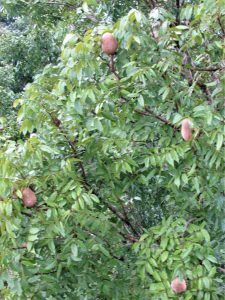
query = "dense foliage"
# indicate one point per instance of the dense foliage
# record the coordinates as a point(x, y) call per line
point(24, 51)
point(124, 203)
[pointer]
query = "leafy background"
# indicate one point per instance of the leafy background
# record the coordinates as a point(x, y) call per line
point(124, 204)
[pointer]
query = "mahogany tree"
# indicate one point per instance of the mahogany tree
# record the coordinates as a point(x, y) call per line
point(127, 206)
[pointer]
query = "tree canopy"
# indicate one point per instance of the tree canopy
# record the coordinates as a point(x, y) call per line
point(125, 203)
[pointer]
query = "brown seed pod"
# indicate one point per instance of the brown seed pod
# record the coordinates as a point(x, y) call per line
point(29, 197)
point(178, 286)
point(186, 130)
point(109, 43)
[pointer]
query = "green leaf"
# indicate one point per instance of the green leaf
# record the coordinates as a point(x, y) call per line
point(219, 142)
point(34, 230)
point(149, 268)
point(85, 7)
point(206, 235)
point(177, 181)
point(87, 199)
point(182, 27)
point(207, 264)
point(164, 256)
point(156, 288)
point(141, 101)
point(26, 126)
point(81, 202)
point(95, 198)
point(32, 238)
point(207, 296)
point(51, 246)
point(153, 262)
point(170, 160)
point(156, 276)
point(98, 124)
point(164, 243)
point(206, 282)
point(212, 259)
point(74, 251)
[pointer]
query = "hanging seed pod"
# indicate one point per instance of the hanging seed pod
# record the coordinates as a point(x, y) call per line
point(178, 286)
point(186, 130)
point(109, 43)
point(29, 197)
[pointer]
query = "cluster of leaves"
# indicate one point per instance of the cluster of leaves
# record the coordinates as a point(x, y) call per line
point(24, 51)
point(108, 163)
point(177, 249)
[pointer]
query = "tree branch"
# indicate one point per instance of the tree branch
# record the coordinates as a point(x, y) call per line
point(221, 270)
point(151, 3)
point(47, 273)
point(208, 69)
point(189, 76)
point(26, 214)
point(113, 67)
point(72, 145)
point(126, 215)
point(150, 112)
point(206, 91)
point(58, 124)
point(94, 235)
point(121, 217)
point(178, 12)
point(221, 26)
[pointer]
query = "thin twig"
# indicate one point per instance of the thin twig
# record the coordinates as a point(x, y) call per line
point(58, 124)
point(221, 270)
point(128, 237)
point(203, 87)
point(113, 67)
point(27, 214)
point(208, 69)
point(206, 91)
point(45, 273)
point(221, 26)
point(121, 217)
point(151, 3)
point(94, 235)
point(150, 112)
point(178, 12)
point(187, 225)
point(126, 215)
point(72, 145)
